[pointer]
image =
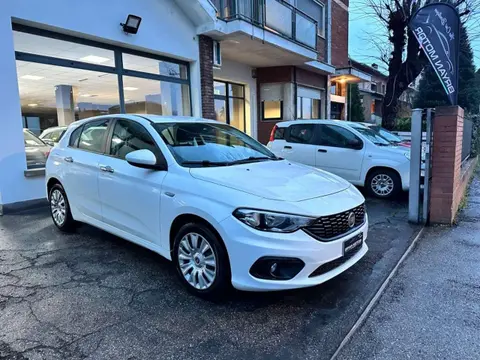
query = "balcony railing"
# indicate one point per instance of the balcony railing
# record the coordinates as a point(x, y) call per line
point(277, 16)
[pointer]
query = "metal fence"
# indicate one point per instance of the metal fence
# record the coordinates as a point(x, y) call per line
point(467, 139)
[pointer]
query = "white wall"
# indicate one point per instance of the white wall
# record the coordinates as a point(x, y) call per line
point(164, 30)
point(242, 74)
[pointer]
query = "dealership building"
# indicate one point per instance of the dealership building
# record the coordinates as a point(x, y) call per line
point(247, 63)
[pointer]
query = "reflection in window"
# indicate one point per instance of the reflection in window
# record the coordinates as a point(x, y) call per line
point(153, 66)
point(145, 96)
point(220, 110)
point(237, 113)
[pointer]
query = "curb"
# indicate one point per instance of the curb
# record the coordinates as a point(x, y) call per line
point(377, 296)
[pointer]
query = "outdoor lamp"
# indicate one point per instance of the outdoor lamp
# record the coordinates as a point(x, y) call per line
point(132, 24)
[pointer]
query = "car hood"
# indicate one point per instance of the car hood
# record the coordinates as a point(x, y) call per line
point(276, 180)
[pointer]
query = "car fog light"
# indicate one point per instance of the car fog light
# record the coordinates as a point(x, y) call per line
point(276, 268)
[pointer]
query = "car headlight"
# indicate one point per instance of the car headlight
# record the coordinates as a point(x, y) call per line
point(272, 221)
point(407, 155)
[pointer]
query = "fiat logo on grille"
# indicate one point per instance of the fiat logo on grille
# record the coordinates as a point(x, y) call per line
point(351, 220)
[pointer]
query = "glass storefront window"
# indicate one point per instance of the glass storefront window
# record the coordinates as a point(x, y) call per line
point(62, 79)
point(144, 96)
point(41, 45)
point(53, 95)
point(152, 66)
point(272, 110)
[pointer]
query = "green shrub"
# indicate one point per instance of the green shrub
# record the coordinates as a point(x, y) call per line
point(475, 118)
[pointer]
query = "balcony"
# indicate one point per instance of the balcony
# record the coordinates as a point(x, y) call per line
point(276, 16)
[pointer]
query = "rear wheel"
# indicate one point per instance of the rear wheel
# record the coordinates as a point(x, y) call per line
point(201, 261)
point(60, 209)
point(383, 183)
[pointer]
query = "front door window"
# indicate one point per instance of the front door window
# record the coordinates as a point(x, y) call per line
point(230, 104)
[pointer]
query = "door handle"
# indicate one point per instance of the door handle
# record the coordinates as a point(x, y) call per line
point(68, 159)
point(107, 169)
point(322, 150)
point(287, 147)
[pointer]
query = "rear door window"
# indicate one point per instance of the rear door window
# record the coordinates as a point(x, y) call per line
point(301, 133)
point(94, 135)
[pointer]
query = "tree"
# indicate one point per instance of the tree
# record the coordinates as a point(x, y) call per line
point(403, 56)
point(431, 93)
point(355, 107)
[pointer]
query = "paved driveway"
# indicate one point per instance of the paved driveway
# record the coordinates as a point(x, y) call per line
point(93, 295)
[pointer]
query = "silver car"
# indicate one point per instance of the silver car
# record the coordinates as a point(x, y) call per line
point(36, 150)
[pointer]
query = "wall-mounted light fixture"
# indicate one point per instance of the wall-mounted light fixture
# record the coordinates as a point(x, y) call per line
point(132, 24)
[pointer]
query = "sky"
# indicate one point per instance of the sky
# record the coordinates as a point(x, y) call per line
point(362, 27)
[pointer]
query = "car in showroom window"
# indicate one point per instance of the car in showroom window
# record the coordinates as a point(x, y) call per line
point(221, 206)
point(348, 149)
point(36, 150)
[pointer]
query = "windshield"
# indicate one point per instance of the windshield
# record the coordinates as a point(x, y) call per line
point(386, 134)
point(373, 136)
point(210, 144)
point(32, 140)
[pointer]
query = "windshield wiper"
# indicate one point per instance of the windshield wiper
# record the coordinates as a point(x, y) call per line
point(206, 163)
point(253, 159)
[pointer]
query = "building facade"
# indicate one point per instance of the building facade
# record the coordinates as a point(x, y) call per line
point(247, 63)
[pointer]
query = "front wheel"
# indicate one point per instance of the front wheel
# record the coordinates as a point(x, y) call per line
point(202, 261)
point(383, 183)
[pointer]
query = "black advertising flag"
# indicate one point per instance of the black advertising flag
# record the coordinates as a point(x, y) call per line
point(437, 29)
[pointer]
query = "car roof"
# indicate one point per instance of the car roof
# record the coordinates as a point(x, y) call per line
point(152, 118)
point(321, 121)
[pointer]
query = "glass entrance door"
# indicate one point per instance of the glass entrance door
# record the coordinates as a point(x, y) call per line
point(230, 103)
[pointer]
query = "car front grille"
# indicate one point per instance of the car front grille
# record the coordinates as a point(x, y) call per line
point(328, 228)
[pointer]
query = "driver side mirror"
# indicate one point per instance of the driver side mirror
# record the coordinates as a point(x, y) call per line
point(355, 144)
point(144, 159)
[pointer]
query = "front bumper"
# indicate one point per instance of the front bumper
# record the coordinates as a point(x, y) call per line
point(246, 245)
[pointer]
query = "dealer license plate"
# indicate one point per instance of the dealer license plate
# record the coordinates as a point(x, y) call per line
point(353, 244)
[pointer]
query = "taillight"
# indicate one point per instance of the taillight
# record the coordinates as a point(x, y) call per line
point(47, 153)
point(272, 134)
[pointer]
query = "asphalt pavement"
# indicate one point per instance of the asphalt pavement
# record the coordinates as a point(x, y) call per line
point(431, 309)
point(95, 296)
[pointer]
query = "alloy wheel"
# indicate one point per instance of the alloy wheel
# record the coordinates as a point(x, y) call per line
point(382, 185)
point(58, 207)
point(197, 261)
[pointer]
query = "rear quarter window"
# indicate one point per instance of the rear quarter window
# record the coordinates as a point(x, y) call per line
point(73, 142)
point(279, 133)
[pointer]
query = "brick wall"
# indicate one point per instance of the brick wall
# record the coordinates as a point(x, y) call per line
point(449, 182)
point(339, 33)
point(206, 76)
point(321, 48)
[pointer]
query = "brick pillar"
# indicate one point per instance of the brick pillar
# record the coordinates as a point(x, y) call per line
point(206, 76)
point(446, 165)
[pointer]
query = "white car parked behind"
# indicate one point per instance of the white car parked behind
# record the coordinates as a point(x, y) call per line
point(347, 149)
point(217, 203)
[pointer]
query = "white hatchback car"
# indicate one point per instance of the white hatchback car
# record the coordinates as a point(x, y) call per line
point(347, 149)
point(208, 197)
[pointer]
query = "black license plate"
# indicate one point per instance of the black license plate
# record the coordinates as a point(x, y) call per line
point(353, 244)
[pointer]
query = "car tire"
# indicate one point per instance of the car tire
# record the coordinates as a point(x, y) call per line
point(383, 184)
point(60, 209)
point(202, 261)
